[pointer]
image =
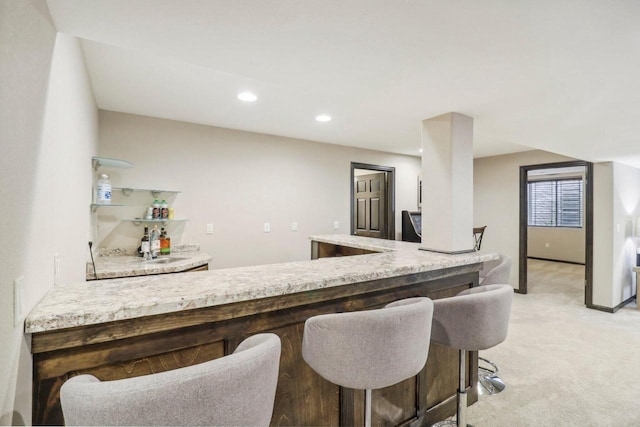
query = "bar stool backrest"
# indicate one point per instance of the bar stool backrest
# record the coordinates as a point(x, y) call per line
point(475, 319)
point(370, 349)
point(496, 272)
point(238, 389)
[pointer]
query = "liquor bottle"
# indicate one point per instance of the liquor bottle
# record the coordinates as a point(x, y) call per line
point(144, 242)
point(164, 242)
point(154, 238)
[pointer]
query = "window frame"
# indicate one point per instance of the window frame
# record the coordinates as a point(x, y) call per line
point(555, 212)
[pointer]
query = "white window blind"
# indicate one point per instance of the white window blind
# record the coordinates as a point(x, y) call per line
point(555, 203)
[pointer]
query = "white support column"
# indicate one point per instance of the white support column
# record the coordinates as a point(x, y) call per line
point(447, 183)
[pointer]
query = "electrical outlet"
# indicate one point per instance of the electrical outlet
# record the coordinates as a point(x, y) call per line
point(294, 226)
point(267, 227)
point(336, 225)
point(18, 300)
point(209, 228)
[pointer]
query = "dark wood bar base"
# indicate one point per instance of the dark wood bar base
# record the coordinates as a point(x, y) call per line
point(146, 345)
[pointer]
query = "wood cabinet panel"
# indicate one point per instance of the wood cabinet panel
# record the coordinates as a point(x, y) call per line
point(327, 250)
point(198, 268)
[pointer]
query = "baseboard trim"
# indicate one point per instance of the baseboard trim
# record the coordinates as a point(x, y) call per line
point(614, 309)
point(602, 308)
point(555, 260)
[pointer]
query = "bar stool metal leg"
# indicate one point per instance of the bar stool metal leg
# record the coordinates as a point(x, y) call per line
point(462, 391)
point(367, 408)
point(461, 413)
point(488, 379)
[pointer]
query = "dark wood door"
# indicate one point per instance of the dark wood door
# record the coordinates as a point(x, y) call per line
point(370, 205)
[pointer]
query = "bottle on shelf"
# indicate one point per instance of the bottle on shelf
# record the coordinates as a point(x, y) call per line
point(103, 193)
point(156, 209)
point(164, 210)
point(144, 243)
point(154, 239)
point(165, 243)
point(171, 213)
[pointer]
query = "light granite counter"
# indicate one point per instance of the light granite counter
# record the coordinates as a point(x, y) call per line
point(90, 303)
point(130, 266)
point(122, 328)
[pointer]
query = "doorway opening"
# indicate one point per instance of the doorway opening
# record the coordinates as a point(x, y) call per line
point(549, 200)
point(373, 200)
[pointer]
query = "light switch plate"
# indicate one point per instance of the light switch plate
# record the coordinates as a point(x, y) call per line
point(267, 227)
point(336, 225)
point(209, 228)
point(294, 226)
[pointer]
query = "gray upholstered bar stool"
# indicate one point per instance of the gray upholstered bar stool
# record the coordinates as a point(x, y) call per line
point(493, 273)
point(370, 349)
point(476, 319)
point(238, 389)
point(496, 272)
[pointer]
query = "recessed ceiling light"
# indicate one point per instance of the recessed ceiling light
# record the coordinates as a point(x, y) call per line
point(420, 150)
point(247, 97)
point(323, 118)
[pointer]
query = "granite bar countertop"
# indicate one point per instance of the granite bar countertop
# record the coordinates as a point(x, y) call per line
point(94, 302)
point(130, 265)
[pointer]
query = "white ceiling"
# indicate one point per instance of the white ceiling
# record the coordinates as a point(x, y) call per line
point(561, 76)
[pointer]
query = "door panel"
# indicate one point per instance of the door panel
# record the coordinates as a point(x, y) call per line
point(361, 214)
point(374, 214)
point(370, 209)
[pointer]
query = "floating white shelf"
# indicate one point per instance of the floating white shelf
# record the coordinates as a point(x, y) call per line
point(110, 163)
point(154, 192)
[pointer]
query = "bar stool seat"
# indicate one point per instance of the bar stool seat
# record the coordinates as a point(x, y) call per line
point(238, 389)
point(476, 319)
point(370, 349)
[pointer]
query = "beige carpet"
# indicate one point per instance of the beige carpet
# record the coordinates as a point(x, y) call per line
point(564, 364)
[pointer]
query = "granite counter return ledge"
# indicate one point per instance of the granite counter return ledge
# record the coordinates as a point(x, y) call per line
point(129, 266)
point(87, 303)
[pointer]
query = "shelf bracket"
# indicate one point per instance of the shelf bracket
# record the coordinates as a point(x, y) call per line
point(127, 191)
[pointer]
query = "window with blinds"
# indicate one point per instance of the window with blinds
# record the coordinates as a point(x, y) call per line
point(555, 203)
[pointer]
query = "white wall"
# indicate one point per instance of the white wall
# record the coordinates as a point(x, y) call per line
point(48, 135)
point(237, 181)
point(556, 243)
point(616, 209)
point(496, 200)
point(626, 210)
